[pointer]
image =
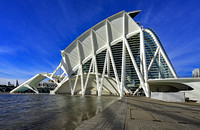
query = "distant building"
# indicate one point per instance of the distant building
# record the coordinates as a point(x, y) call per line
point(196, 73)
point(16, 83)
point(9, 84)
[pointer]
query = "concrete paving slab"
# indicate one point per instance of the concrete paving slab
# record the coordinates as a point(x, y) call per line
point(144, 113)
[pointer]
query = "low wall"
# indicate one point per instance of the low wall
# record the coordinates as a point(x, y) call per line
point(169, 96)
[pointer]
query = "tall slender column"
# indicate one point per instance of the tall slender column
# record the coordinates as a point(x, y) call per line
point(80, 67)
point(159, 65)
point(94, 59)
point(108, 66)
point(123, 69)
point(145, 72)
point(103, 75)
point(75, 82)
point(112, 58)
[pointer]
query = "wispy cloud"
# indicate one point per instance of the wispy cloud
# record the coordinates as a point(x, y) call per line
point(147, 15)
point(186, 61)
point(6, 50)
point(185, 48)
point(10, 48)
point(13, 70)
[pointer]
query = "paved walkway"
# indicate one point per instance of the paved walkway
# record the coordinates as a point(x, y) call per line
point(144, 113)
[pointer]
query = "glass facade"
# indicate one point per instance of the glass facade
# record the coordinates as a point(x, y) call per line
point(150, 49)
point(132, 80)
point(158, 70)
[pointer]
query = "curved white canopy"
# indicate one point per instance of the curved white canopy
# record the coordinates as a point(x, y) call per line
point(96, 39)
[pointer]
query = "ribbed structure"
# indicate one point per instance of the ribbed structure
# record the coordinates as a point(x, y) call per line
point(113, 57)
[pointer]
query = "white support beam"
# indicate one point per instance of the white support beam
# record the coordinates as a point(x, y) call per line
point(93, 68)
point(153, 59)
point(96, 71)
point(103, 75)
point(108, 66)
point(135, 66)
point(141, 58)
point(141, 53)
point(62, 75)
point(159, 65)
point(88, 75)
point(144, 65)
point(132, 33)
point(75, 82)
point(56, 70)
point(112, 59)
point(94, 58)
point(68, 77)
point(50, 78)
point(137, 90)
point(70, 84)
point(80, 66)
point(82, 82)
point(114, 69)
point(163, 53)
point(64, 64)
point(34, 89)
point(123, 69)
point(87, 59)
point(59, 85)
point(64, 80)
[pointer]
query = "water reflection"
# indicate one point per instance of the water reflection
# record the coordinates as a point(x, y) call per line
point(49, 111)
point(99, 105)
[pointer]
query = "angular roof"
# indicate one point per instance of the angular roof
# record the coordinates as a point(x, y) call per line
point(96, 39)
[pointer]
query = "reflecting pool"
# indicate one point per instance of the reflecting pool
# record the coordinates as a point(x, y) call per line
point(44, 111)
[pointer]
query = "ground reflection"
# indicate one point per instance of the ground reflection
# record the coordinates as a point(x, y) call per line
point(44, 111)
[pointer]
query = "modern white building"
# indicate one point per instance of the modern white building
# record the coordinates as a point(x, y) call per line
point(196, 73)
point(113, 57)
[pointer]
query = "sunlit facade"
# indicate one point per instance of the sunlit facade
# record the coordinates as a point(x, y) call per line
point(115, 57)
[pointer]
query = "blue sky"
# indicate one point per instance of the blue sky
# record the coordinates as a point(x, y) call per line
point(33, 31)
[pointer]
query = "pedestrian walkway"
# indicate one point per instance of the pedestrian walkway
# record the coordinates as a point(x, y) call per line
point(144, 113)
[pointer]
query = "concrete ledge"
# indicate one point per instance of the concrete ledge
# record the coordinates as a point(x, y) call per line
point(169, 96)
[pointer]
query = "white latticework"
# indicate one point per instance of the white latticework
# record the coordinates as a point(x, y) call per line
point(109, 58)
